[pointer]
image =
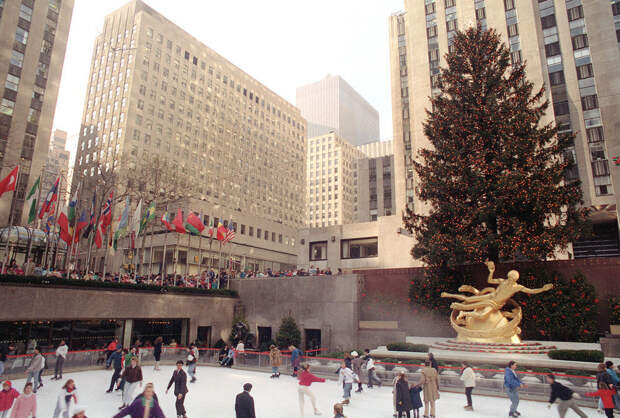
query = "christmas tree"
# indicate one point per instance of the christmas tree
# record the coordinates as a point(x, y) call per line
point(494, 176)
point(289, 333)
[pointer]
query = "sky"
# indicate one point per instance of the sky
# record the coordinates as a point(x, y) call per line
point(281, 43)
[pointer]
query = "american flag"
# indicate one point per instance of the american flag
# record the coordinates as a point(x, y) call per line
point(230, 233)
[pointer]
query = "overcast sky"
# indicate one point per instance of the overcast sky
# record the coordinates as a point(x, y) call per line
point(281, 43)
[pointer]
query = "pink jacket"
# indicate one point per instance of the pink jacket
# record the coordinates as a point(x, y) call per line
point(25, 406)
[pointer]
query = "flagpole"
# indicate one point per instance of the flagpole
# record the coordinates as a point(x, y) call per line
point(67, 263)
point(35, 210)
point(150, 273)
point(89, 241)
point(189, 244)
point(107, 240)
point(219, 265)
point(5, 268)
point(53, 261)
point(163, 271)
point(200, 250)
point(176, 258)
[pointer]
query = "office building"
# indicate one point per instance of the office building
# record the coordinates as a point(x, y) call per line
point(33, 40)
point(331, 104)
point(155, 90)
point(57, 162)
point(571, 47)
point(376, 181)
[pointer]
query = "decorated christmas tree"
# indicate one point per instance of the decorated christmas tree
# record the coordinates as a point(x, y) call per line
point(289, 333)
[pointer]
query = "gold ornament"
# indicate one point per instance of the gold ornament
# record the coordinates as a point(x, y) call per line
point(480, 318)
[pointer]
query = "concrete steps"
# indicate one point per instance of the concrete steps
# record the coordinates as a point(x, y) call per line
point(596, 248)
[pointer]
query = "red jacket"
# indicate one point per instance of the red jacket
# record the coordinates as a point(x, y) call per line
point(112, 346)
point(7, 397)
point(606, 396)
point(306, 378)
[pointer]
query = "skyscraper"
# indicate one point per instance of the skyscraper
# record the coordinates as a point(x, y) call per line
point(571, 47)
point(57, 162)
point(33, 40)
point(331, 104)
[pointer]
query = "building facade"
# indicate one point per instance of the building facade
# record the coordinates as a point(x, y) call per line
point(331, 104)
point(571, 47)
point(57, 163)
point(156, 92)
point(33, 40)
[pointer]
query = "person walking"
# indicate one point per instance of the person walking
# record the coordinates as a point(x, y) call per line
point(144, 406)
point(296, 355)
point(305, 380)
point(66, 399)
point(512, 384)
point(36, 367)
point(430, 386)
point(244, 403)
point(192, 360)
point(110, 349)
point(159, 341)
point(179, 378)
point(133, 378)
point(116, 360)
point(338, 411)
point(275, 359)
point(565, 397)
point(346, 378)
point(370, 368)
point(356, 363)
point(468, 376)
point(403, 398)
point(606, 394)
point(61, 355)
point(8, 394)
point(25, 405)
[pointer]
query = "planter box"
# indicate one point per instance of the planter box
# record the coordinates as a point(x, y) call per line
point(615, 329)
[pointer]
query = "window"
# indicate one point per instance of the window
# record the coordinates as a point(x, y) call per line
point(7, 106)
point(25, 12)
point(513, 30)
point(12, 82)
point(548, 21)
point(433, 55)
point(589, 102)
point(560, 108)
point(600, 168)
point(595, 134)
point(451, 25)
point(580, 42)
point(429, 8)
point(431, 31)
point(575, 13)
point(450, 3)
point(21, 35)
point(552, 49)
point(242, 229)
point(17, 58)
point(585, 71)
point(509, 4)
point(481, 13)
point(359, 248)
point(318, 250)
point(259, 233)
point(556, 78)
point(250, 231)
point(266, 235)
point(615, 8)
point(515, 57)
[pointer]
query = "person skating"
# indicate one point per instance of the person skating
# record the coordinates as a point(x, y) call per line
point(110, 349)
point(275, 358)
point(370, 368)
point(34, 370)
point(179, 378)
point(157, 351)
point(116, 360)
point(192, 359)
point(305, 380)
point(403, 398)
point(144, 406)
point(606, 394)
point(8, 394)
point(296, 355)
point(356, 363)
point(5, 350)
point(338, 411)
point(66, 399)
point(429, 382)
point(25, 405)
point(512, 383)
point(244, 403)
point(346, 378)
point(468, 376)
point(133, 378)
point(416, 400)
point(127, 356)
point(565, 397)
point(61, 355)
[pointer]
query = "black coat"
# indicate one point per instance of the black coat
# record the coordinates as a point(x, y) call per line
point(179, 378)
point(403, 399)
point(244, 405)
point(157, 351)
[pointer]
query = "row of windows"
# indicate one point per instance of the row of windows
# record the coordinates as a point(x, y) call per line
point(349, 248)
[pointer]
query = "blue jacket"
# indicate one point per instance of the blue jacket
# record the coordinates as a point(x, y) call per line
point(614, 376)
point(116, 359)
point(511, 380)
point(295, 354)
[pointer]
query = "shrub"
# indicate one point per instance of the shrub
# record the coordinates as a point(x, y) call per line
point(591, 356)
point(614, 310)
point(416, 348)
point(289, 333)
point(264, 346)
point(219, 343)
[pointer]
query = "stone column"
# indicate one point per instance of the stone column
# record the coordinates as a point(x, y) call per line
point(126, 339)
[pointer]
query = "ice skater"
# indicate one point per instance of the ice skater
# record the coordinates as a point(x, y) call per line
point(357, 368)
point(468, 376)
point(430, 386)
point(66, 399)
point(606, 393)
point(305, 380)
point(116, 360)
point(338, 411)
point(244, 403)
point(275, 358)
point(8, 395)
point(192, 359)
point(157, 351)
point(370, 368)
point(403, 398)
point(512, 383)
point(144, 406)
point(296, 355)
point(133, 378)
point(416, 400)
point(179, 378)
point(346, 378)
point(61, 355)
point(25, 405)
point(36, 367)
point(565, 397)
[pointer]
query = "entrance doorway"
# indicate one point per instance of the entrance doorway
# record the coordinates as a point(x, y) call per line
point(264, 338)
point(313, 340)
point(203, 337)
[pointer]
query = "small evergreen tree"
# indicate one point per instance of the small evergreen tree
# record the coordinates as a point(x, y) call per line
point(494, 176)
point(289, 333)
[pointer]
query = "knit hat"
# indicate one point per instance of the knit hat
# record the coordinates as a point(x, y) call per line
point(354, 354)
point(7, 382)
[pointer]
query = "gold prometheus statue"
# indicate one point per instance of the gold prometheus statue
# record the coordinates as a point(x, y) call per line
point(480, 318)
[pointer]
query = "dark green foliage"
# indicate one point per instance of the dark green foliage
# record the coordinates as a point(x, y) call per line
point(288, 333)
point(219, 343)
point(416, 348)
point(591, 356)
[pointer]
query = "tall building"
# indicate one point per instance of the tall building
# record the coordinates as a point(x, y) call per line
point(376, 181)
point(155, 90)
point(33, 40)
point(331, 104)
point(571, 47)
point(57, 162)
point(333, 165)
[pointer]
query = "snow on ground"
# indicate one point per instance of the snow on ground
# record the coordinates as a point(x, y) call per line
point(213, 396)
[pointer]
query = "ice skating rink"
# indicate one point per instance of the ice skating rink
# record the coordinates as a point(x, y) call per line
point(213, 396)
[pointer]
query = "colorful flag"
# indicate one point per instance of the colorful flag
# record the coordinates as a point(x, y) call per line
point(99, 235)
point(51, 197)
point(230, 233)
point(72, 209)
point(106, 212)
point(221, 231)
point(178, 222)
point(121, 230)
point(149, 215)
point(81, 224)
point(93, 216)
point(49, 224)
point(9, 182)
point(66, 233)
point(134, 227)
point(193, 224)
point(165, 219)
point(31, 200)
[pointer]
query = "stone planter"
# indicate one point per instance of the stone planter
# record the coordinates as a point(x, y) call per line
point(615, 329)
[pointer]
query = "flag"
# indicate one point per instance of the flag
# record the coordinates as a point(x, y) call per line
point(93, 216)
point(49, 224)
point(178, 222)
point(81, 224)
point(66, 234)
point(72, 209)
point(165, 219)
point(51, 197)
point(9, 182)
point(99, 235)
point(211, 228)
point(230, 233)
point(134, 227)
point(31, 200)
point(193, 224)
point(106, 212)
point(221, 231)
point(121, 230)
point(148, 217)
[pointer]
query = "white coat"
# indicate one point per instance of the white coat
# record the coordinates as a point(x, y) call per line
point(469, 377)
